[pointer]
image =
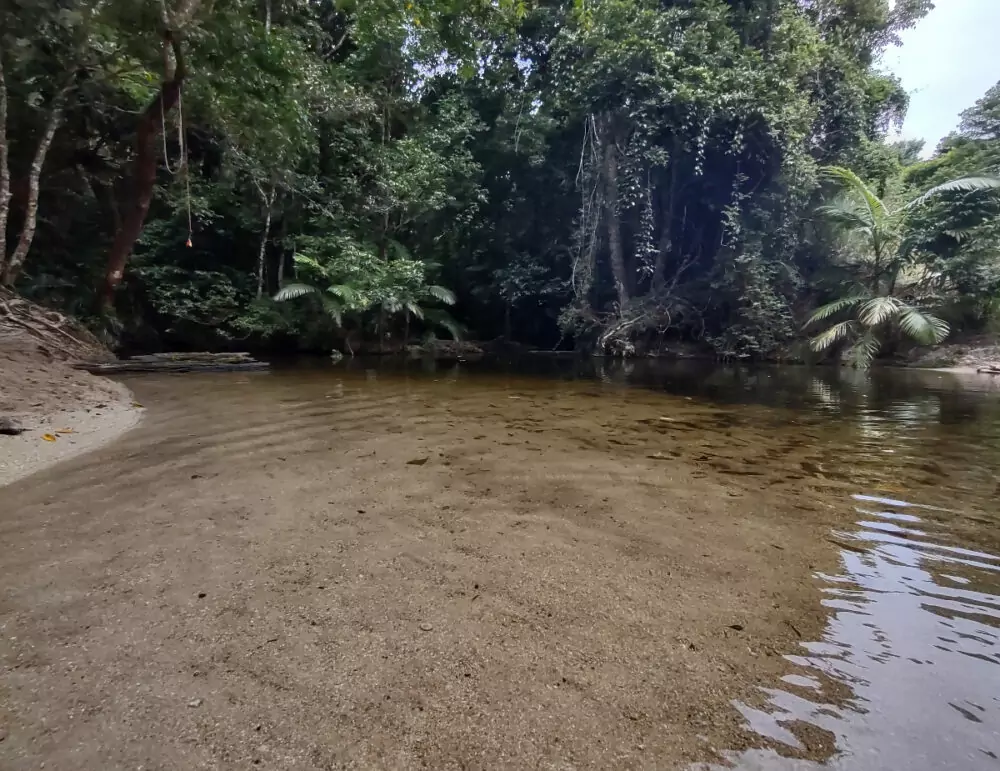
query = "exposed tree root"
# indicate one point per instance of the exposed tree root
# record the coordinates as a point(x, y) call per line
point(54, 332)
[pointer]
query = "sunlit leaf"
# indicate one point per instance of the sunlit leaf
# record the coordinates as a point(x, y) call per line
point(441, 294)
point(830, 337)
point(963, 185)
point(292, 291)
point(830, 309)
point(921, 326)
point(878, 310)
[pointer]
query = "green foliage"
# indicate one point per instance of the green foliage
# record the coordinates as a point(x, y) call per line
point(874, 318)
point(609, 174)
point(349, 279)
point(883, 249)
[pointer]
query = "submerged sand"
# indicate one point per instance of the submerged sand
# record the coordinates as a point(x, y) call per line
point(309, 571)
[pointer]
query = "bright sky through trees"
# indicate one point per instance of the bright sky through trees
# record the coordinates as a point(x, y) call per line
point(946, 63)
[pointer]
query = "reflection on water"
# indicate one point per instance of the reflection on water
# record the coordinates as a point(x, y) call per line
point(907, 673)
point(914, 634)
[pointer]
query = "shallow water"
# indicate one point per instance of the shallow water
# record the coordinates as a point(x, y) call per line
point(907, 671)
point(894, 472)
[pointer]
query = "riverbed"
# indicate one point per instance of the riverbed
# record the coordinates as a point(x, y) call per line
point(548, 565)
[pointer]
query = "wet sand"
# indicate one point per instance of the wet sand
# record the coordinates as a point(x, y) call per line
point(44, 394)
point(307, 571)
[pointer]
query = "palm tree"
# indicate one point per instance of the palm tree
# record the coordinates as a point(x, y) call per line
point(880, 246)
point(391, 296)
point(411, 302)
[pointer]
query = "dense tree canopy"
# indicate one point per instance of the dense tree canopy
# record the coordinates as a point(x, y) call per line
point(610, 174)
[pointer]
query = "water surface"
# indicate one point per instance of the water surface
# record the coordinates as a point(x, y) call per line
point(907, 671)
point(620, 565)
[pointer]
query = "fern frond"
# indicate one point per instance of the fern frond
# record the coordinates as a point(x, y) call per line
point(291, 291)
point(441, 294)
point(333, 309)
point(415, 310)
point(345, 292)
point(444, 320)
point(305, 261)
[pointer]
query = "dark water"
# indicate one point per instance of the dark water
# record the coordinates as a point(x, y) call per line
point(907, 672)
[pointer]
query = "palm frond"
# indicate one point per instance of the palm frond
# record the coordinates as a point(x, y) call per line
point(845, 212)
point(291, 291)
point(441, 294)
point(444, 320)
point(830, 337)
point(863, 352)
point(345, 292)
point(856, 186)
point(306, 261)
point(826, 311)
point(921, 326)
point(962, 185)
point(878, 310)
point(414, 309)
point(333, 309)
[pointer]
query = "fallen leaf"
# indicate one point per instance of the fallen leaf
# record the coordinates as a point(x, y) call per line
point(48, 437)
point(136, 404)
point(65, 431)
point(416, 462)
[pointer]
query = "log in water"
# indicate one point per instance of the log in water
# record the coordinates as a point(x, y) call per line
point(178, 362)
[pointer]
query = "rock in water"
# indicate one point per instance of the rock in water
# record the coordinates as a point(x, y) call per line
point(10, 427)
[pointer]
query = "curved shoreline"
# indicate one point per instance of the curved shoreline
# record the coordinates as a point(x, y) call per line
point(91, 428)
point(63, 411)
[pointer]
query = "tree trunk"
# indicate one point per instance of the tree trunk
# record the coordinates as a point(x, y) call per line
point(666, 227)
point(4, 169)
point(12, 269)
point(611, 218)
point(268, 199)
point(143, 172)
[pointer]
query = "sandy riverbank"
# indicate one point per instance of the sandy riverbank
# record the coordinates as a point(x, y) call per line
point(46, 396)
